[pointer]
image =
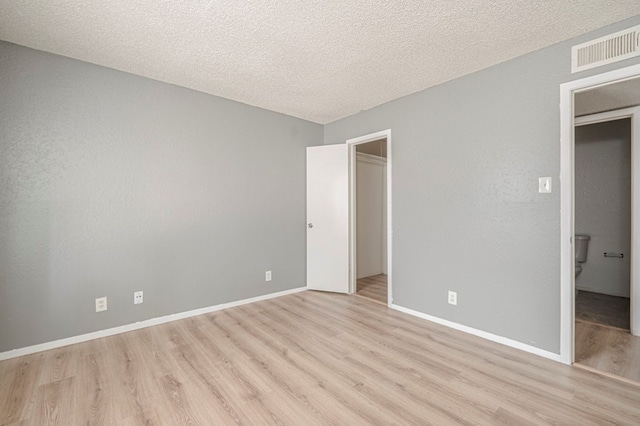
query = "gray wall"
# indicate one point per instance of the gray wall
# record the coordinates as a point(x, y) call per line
point(603, 204)
point(466, 212)
point(112, 183)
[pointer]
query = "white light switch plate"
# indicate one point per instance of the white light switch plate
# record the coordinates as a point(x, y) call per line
point(544, 185)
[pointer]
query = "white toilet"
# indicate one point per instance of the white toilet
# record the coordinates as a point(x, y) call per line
point(582, 246)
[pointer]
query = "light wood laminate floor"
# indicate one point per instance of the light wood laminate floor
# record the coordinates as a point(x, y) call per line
point(607, 349)
point(309, 358)
point(373, 287)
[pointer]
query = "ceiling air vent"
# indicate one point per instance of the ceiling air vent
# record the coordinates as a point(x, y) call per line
point(606, 50)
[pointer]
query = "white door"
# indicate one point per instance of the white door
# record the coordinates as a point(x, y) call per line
point(328, 218)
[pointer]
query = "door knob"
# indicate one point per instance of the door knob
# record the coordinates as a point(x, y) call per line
point(310, 225)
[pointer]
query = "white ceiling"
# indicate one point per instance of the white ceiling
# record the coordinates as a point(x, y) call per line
point(608, 98)
point(319, 60)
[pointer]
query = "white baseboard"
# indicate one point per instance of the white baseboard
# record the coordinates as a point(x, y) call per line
point(138, 325)
point(596, 290)
point(489, 336)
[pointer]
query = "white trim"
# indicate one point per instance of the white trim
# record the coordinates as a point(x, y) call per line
point(483, 334)
point(370, 158)
point(138, 325)
point(618, 114)
point(597, 290)
point(567, 258)
point(634, 288)
point(383, 134)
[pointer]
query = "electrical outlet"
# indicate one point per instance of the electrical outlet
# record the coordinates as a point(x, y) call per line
point(101, 304)
point(137, 297)
point(453, 298)
point(267, 276)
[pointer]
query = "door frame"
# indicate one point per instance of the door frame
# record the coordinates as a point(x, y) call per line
point(353, 271)
point(567, 203)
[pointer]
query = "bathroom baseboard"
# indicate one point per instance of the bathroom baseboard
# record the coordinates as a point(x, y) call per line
point(593, 290)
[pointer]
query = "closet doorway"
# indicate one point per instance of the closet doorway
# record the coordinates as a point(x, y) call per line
point(369, 211)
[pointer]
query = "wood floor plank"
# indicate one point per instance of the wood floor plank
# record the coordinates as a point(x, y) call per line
point(373, 287)
point(267, 353)
point(149, 418)
point(226, 367)
point(97, 397)
point(607, 349)
point(180, 404)
point(309, 358)
point(55, 403)
point(135, 387)
point(608, 405)
point(16, 402)
point(58, 364)
point(429, 399)
point(151, 348)
point(504, 417)
point(407, 369)
point(199, 371)
point(487, 369)
point(316, 363)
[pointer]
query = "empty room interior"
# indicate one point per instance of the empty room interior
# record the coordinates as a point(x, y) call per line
point(320, 212)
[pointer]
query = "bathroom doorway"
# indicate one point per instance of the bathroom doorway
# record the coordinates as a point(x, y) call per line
point(604, 167)
point(369, 215)
point(603, 219)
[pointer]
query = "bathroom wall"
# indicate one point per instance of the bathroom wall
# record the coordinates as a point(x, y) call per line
point(603, 204)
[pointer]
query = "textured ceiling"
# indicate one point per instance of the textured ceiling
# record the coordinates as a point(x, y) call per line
point(319, 60)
